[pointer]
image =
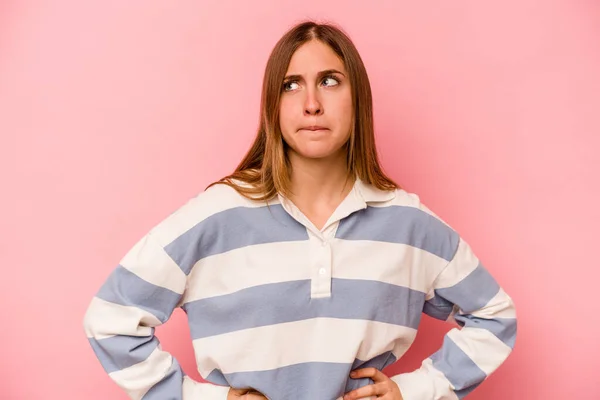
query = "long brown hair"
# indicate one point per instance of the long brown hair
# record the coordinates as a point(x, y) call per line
point(265, 169)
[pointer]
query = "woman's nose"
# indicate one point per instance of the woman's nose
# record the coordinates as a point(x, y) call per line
point(312, 105)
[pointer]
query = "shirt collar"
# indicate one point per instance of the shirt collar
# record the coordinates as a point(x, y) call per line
point(370, 193)
point(358, 199)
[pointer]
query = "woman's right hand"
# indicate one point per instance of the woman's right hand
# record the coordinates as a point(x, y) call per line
point(244, 394)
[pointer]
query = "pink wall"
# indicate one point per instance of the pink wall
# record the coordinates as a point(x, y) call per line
point(114, 114)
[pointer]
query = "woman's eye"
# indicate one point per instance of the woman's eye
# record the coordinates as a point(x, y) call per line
point(332, 79)
point(286, 86)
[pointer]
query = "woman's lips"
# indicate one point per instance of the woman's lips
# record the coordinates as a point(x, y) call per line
point(314, 128)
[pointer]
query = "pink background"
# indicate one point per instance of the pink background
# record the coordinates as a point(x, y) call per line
point(113, 114)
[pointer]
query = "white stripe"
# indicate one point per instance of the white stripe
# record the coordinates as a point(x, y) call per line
point(427, 382)
point(247, 267)
point(397, 264)
point(104, 319)
point(463, 263)
point(148, 260)
point(481, 346)
point(500, 306)
point(138, 379)
point(330, 340)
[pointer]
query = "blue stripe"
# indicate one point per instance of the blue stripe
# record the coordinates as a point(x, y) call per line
point(314, 380)
point(233, 229)
point(438, 307)
point(170, 387)
point(290, 301)
point(473, 292)
point(127, 289)
point(118, 352)
point(504, 329)
point(380, 362)
point(458, 368)
point(403, 225)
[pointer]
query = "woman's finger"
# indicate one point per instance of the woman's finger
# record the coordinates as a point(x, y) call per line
point(371, 372)
point(365, 392)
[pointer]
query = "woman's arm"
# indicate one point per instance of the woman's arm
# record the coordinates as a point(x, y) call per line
point(465, 292)
point(139, 295)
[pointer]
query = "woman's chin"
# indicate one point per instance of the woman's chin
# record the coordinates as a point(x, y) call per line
point(317, 154)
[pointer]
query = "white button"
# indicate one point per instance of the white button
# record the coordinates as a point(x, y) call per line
point(323, 244)
point(322, 271)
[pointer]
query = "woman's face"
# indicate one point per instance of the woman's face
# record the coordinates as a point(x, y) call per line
point(316, 92)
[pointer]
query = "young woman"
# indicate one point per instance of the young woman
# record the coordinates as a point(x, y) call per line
point(305, 265)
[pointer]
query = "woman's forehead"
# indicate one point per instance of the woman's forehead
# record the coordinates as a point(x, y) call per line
point(313, 57)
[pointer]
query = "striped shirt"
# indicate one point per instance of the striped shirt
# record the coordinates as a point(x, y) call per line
point(277, 305)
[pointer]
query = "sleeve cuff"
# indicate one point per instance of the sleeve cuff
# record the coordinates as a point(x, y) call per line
point(424, 384)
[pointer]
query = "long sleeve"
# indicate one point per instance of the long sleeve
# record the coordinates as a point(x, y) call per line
point(139, 295)
point(465, 293)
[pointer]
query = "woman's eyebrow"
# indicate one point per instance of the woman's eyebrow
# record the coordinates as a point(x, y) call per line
point(319, 75)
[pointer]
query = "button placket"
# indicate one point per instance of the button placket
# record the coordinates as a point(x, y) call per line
point(321, 281)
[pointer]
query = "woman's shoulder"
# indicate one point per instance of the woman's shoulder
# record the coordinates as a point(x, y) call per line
point(205, 204)
point(407, 198)
point(217, 198)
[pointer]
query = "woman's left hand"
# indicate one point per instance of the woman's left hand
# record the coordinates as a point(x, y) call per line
point(383, 388)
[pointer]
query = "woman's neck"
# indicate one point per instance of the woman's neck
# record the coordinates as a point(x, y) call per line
point(323, 180)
